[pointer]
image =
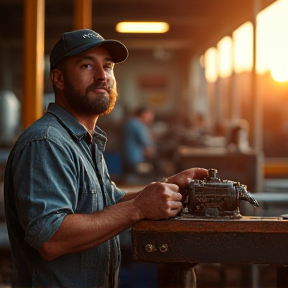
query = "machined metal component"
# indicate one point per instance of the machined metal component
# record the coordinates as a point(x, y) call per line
point(213, 197)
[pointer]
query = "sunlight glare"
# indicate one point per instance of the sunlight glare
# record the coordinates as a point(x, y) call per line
point(279, 71)
point(272, 40)
point(225, 56)
point(271, 47)
point(210, 64)
point(243, 48)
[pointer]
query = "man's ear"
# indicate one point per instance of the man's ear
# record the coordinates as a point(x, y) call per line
point(57, 79)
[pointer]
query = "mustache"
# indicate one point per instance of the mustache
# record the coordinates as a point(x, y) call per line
point(99, 85)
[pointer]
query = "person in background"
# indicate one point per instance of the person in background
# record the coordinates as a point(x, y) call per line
point(139, 151)
point(200, 127)
point(63, 212)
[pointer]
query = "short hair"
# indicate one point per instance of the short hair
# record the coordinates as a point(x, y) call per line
point(140, 110)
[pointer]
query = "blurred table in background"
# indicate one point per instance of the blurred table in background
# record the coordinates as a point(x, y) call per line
point(246, 168)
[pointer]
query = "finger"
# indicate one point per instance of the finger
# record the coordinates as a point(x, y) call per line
point(200, 173)
point(172, 186)
point(195, 173)
point(175, 212)
point(170, 195)
point(190, 174)
point(175, 205)
point(183, 178)
point(171, 205)
point(177, 196)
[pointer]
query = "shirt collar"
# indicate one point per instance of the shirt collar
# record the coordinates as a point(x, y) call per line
point(75, 129)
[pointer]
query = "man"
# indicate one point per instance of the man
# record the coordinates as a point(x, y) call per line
point(138, 147)
point(63, 212)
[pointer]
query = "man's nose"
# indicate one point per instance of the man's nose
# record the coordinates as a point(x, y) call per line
point(100, 74)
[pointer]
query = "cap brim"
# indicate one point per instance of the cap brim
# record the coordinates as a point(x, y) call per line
point(118, 50)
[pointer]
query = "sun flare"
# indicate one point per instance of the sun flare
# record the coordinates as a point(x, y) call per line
point(271, 46)
point(280, 73)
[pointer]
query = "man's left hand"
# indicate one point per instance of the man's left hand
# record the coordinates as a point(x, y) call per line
point(183, 178)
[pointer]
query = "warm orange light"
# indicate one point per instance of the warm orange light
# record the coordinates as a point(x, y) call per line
point(279, 71)
point(142, 27)
point(243, 48)
point(272, 40)
point(225, 57)
point(210, 64)
point(271, 47)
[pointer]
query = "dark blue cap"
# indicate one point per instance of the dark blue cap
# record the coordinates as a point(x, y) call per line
point(75, 42)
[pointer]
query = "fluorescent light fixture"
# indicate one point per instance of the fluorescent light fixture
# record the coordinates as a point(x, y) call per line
point(142, 27)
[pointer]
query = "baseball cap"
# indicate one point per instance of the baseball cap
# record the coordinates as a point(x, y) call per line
point(75, 42)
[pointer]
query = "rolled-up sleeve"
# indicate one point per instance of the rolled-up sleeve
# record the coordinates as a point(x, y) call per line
point(118, 193)
point(45, 189)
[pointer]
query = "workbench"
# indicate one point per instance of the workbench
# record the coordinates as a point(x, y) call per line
point(179, 244)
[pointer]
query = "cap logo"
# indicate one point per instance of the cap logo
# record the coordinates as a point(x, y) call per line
point(91, 35)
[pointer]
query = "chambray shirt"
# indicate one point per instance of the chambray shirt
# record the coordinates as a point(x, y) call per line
point(50, 173)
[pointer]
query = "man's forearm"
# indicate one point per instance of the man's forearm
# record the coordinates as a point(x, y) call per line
point(79, 232)
point(129, 196)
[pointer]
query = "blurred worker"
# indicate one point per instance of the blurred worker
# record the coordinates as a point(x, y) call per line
point(63, 212)
point(139, 151)
point(200, 127)
point(238, 138)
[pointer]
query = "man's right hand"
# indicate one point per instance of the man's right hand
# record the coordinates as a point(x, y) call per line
point(159, 201)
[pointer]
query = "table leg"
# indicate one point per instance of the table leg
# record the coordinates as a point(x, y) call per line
point(282, 277)
point(177, 275)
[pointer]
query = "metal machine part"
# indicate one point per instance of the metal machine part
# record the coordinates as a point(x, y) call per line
point(213, 197)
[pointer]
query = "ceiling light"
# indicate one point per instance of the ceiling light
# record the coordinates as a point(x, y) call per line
point(142, 27)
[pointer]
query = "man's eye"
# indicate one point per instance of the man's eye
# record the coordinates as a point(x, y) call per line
point(86, 66)
point(108, 66)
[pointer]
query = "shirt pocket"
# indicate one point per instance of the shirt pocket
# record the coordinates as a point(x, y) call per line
point(89, 194)
point(87, 201)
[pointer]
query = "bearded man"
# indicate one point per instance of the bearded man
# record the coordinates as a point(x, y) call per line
point(63, 211)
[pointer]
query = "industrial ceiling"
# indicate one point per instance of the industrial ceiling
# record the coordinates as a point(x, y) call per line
point(195, 25)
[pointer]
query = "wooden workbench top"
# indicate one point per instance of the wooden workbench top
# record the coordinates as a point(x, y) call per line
point(190, 224)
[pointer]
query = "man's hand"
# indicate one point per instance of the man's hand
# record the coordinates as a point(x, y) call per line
point(183, 178)
point(159, 201)
point(162, 200)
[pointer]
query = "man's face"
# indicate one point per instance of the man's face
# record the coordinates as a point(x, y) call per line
point(89, 82)
point(148, 117)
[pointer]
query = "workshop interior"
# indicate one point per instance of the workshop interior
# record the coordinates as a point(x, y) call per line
point(216, 78)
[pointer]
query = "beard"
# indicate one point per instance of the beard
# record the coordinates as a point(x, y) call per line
point(91, 105)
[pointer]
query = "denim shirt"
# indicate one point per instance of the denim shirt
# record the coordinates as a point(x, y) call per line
point(50, 173)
